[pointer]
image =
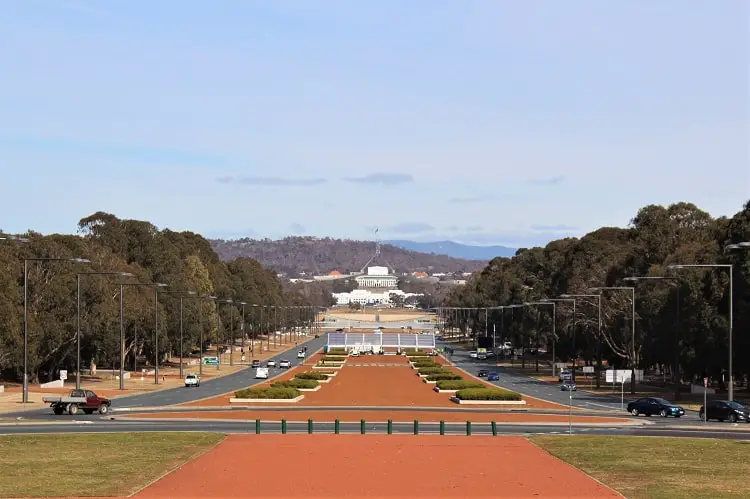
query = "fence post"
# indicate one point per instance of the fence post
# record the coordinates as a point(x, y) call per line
point(337, 427)
point(468, 428)
point(416, 427)
point(309, 426)
point(494, 429)
point(390, 427)
point(362, 429)
point(442, 427)
point(257, 426)
point(283, 426)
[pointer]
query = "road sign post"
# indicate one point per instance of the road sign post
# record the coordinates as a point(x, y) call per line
point(705, 400)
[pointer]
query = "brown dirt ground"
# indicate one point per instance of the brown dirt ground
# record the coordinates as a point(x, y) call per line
point(380, 416)
point(382, 466)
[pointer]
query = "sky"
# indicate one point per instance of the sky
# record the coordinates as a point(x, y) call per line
point(482, 122)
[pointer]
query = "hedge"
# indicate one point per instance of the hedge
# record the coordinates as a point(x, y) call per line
point(336, 351)
point(421, 364)
point(487, 394)
point(268, 393)
point(333, 358)
point(458, 384)
point(444, 377)
point(430, 370)
point(417, 354)
point(312, 375)
point(296, 383)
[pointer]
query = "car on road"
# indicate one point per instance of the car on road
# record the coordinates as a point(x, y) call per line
point(568, 386)
point(493, 376)
point(725, 410)
point(564, 374)
point(79, 400)
point(285, 364)
point(300, 354)
point(482, 373)
point(255, 364)
point(271, 363)
point(650, 406)
point(473, 354)
point(192, 380)
point(261, 373)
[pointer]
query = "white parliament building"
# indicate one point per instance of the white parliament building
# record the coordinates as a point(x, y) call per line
point(376, 287)
point(377, 277)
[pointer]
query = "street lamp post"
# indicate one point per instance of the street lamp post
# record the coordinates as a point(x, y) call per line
point(200, 332)
point(78, 317)
point(731, 303)
point(575, 356)
point(554, 333)
point(228, 301)
point(182, 296)
point(25, 396)
point(599, 339)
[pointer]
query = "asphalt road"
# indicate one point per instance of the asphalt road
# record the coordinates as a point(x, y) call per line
point(375, 428)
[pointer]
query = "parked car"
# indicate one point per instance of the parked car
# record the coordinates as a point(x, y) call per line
point(725, 410)
point(568, 387)
point(482, 373)
point(192, 380)
point(271, 363)
point(255, 364)
point(493, 376)
point(285, 364)
point(650, 406)
point(79, 400)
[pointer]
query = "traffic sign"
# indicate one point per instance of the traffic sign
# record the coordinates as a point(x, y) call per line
point(211, 361)
point(705, 382)
point(63, 375)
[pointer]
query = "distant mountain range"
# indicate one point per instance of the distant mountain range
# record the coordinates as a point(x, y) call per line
point(455, 250)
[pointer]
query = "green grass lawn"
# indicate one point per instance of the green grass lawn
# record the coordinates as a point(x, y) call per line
point(92, 464)
point(656, 467)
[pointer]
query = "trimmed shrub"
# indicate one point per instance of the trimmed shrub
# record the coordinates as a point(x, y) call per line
point(430, 370)
point(312, 375)
point(444, 377)
point(487, 394)
point(422, 364)
point(336, 351)
point(458, 385)
point(267, 393)
point(296, 383)
point(417, 354)
point(333, 358)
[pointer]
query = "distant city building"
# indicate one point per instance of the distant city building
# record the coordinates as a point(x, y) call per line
point(377, 277)
point(369, 297)
point(420, 275)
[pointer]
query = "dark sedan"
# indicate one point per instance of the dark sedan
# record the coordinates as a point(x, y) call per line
point(482, 373)
point(493, 376)
point(725, 410)
point(651, 406)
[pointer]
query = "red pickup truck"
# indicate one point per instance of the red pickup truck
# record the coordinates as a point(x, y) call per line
point(79, 400)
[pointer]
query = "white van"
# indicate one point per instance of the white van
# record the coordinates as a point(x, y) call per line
point(261, 373)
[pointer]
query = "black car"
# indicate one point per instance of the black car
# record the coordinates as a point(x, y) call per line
point(725, 410)
point(482, 373)
point(651, 406)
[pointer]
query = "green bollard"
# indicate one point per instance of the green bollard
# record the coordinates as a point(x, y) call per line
point(257, 426)
point(283, 426)
point(337, 427)
point(362, 428)
point(442, 427)
point(309, 426)
point(468, 428)
point(390, 427)
point(494, 429)
point(416, 427)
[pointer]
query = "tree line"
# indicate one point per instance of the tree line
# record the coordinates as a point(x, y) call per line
point(184, 261)
point(682, 315)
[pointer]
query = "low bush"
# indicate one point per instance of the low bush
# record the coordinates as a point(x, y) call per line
point(267, 393)
point(487, 394)
point(336, 351)
point(296, 383)
point(422, 364)
point(333, 358)
point(426, 371)
point(458, 385)
point(444, 377)
point(312, 375)
point(417, 354)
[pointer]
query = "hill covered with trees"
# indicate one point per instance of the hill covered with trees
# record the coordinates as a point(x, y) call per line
point(682, 323)
point(314, 255)
point(183, 260)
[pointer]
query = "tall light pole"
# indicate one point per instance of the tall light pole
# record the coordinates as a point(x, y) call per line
point(78, 317)
point(156, 286)
point(633, 353)
point(200, 333)
point(26, 314)
point(554, 333)
point(575, 356)
point(228, 301)
point(731, 305)
point(599, 339)
point(181, 295)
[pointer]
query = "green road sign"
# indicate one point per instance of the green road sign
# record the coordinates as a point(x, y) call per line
point(211, 361)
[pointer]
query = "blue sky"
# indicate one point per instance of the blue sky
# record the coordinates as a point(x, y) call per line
point(479, 121)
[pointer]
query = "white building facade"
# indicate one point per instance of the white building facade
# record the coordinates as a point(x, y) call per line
point(377, 277)
point(367, 297)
